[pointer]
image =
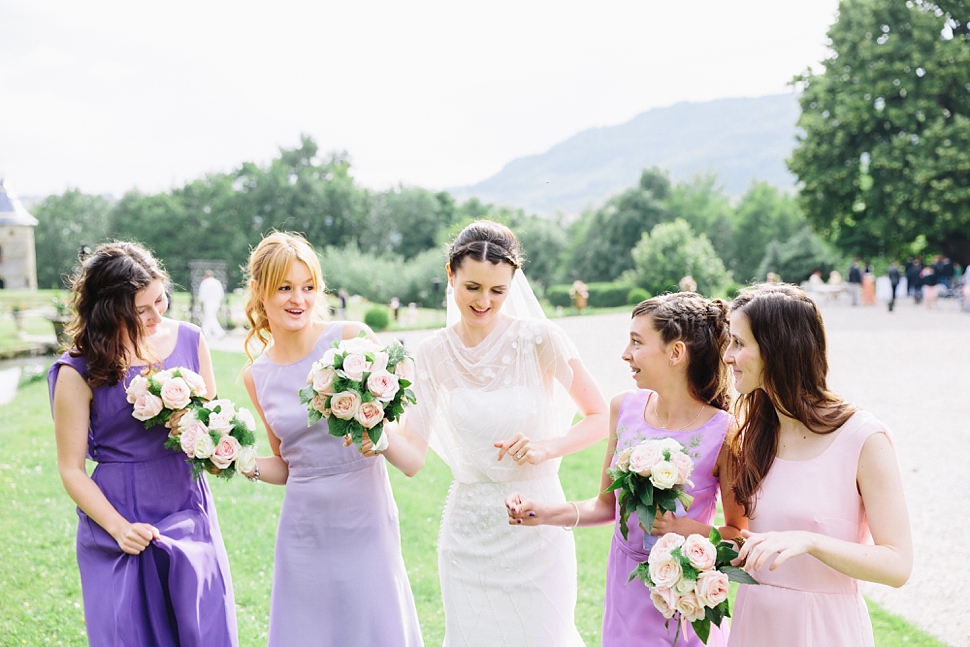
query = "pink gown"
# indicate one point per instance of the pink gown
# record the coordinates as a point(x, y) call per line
point(805, 603)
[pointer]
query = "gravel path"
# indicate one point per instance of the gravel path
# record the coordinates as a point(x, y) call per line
point(911, 368)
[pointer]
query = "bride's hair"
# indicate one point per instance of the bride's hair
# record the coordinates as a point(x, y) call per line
point(103, 293)
point(484, 240)
point(702, 325)
point(788, 329)
point(268, 265)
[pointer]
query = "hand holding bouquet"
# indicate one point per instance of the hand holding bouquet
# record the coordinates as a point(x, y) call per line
point(214, 435)
point(357, 386)
point(689, 579)
point(648, 477)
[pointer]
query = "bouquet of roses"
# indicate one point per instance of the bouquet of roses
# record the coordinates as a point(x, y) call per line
point(648, 477)
point(357, 385)
point(689, 579)
point(215, 436)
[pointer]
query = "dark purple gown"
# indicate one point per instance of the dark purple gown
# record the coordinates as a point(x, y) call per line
point(177, 592)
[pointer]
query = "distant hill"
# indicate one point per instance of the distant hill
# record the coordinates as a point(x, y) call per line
point(739, 139)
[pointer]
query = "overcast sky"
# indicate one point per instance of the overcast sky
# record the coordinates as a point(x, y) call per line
point(109, 96)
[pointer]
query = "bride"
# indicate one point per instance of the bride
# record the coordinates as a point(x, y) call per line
point(497, 390)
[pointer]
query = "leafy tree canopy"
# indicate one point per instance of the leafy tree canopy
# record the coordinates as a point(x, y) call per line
point(885, 155)
point(672, 251)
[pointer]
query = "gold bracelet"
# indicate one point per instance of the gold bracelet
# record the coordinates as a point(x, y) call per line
point(570, 528)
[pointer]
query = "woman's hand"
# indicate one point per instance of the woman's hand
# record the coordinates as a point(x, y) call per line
point(523, 511)
point(133, 538)
point(665, 522)
point(759, 547)
point(367, 447)
point(522, 450)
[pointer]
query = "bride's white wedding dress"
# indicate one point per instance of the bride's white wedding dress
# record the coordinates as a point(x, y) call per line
point(501, 585)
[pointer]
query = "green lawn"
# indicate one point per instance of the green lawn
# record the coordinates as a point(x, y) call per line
point(41, 596)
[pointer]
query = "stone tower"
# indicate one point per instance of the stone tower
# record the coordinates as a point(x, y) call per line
point(18, 260)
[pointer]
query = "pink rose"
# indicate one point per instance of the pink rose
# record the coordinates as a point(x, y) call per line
point(195, 382)
point(684, 466)
point(176, 394)
point(690, 607)
point(623, 459)
point(383, 385)
point(190, 434)
point(137, 388)
point(380, 362)
point(405, 369)
point(700, 551)
point(712, 588)
point(644, 457)
point(665, 572)
point(319, 402)
point(147, 406)
point(328, 356)
point(355, 365)
point(665, 600)
point(162, 377)
point(323, 380)
point(344, 405)
point(370, 414)
point(664, 546)
point(225, 452)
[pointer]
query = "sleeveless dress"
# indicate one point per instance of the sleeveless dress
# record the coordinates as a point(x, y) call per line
point(177, 592)
point(629, 617)
point(805, 603)
point(339, 577)
point(500, 585)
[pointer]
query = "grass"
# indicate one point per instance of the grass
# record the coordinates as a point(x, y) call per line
point(41, 594)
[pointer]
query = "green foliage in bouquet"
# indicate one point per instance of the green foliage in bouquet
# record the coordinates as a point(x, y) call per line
point(635, 493)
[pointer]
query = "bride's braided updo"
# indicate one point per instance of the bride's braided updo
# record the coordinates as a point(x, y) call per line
point(484, 240)
point(702, 324)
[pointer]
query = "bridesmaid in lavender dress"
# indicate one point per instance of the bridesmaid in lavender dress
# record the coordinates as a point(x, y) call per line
point(339, 577)
point(153, 565)
point(675, 347)
point(818, 478)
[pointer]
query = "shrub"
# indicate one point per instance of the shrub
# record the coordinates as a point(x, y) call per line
point(799, 256)
point(608, 295)
point(558, 295)
point(377, 318)
point(671, 251)
point(636, 295)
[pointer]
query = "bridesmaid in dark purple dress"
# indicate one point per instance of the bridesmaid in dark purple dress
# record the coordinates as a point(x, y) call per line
point(154, 569)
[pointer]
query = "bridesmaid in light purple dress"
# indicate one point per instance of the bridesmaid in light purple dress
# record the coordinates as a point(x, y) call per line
point(675, 347)
point(339, 577)
point(153, 565)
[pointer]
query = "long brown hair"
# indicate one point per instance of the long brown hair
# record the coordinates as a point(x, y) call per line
point(702, 325)
point(268, 265)
point(103, 293)
point(485, 240)
point(788, 328)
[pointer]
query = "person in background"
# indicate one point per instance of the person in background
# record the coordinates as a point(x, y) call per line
point(210, 296)
point(893, 282)
point(855, 281)
point(913, 280)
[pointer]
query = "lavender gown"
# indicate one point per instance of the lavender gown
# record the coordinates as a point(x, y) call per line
point(177, 592)
point(630, 618)
point(339, 578)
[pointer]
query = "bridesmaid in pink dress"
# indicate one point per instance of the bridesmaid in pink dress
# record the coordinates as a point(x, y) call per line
point(818, 479)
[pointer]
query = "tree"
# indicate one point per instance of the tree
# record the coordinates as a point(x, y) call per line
point(763, 214)
point(406, 221)
point(702, 203)
point(885, 155)
point(796, 259)
point(601, 240)
point(670, 252)
point(543, 243)
point(65, 223)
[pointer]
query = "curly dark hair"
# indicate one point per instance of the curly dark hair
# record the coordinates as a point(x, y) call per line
point(103, 292)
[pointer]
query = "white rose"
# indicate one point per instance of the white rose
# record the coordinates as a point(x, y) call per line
point(670, 445)
point(246, 418)
point(665, 600)
point(220, 420)
point(328, 356)
point(163, 376)
point(405, 369)
point(683, 586)
point(380, 362)
point(189, 436)
point(195, 382)
point(664, 475)
point(358, 345)
point(690, 607)
point(246, 459)
point(137, 388)
point(322, 381)
point(665, 572)
point(623, 459)
point(204, 446)
point(664, 546)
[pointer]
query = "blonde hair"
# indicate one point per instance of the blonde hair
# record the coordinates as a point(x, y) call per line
point(267, 268)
